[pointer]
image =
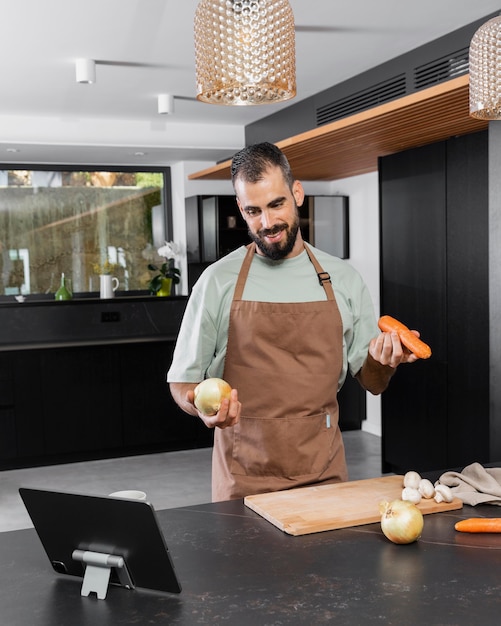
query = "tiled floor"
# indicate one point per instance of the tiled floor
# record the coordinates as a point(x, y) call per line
point(170, 479)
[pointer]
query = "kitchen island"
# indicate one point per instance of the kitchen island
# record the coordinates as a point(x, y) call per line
point(238, 569)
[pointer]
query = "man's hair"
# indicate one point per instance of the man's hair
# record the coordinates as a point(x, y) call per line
point(251, 163)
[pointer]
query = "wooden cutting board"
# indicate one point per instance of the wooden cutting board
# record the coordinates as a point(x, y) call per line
point(328, 507)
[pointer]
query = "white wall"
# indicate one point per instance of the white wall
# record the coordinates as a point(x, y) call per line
point(364, 234)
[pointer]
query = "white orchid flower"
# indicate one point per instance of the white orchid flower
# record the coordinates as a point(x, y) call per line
point(169, 251)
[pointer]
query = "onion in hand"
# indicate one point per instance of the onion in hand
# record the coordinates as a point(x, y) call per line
point(209, 395)
point(401, 521)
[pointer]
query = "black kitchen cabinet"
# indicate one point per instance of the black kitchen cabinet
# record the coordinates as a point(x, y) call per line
point(214, 227)
point(87, 379)
point(434, 277)
point(82, 402)
point(8, 444)
point(352, 402)
point(231, 228)
point(80, 399)
point(150, 415)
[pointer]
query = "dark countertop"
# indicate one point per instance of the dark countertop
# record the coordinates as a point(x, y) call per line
point(238, 569)
point(37, 323)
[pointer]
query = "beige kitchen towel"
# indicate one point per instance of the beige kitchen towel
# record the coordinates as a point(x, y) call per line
point(476, 484)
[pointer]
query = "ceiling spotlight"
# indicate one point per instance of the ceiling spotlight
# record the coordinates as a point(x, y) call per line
point(85, 71)
point(165, 104)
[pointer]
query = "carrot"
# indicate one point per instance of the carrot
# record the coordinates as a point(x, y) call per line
point(479, 525)
point(389, 324)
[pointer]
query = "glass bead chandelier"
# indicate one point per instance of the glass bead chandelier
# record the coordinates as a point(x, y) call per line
point(485, 71)
point(245, 51)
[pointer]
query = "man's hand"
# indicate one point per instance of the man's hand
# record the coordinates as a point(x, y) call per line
point(387, 349)
point(385, 354)
point(227, 416)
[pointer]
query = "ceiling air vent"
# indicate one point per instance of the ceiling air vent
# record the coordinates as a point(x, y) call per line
point(372, 96)
point(450, 66)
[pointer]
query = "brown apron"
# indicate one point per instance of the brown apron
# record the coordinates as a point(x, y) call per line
point(285, 360)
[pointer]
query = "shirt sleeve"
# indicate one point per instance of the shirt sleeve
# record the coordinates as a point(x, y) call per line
point(200, 350)
point(195, 345)
point(364, 327)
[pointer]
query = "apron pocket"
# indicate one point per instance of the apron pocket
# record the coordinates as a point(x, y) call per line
point(283, 447)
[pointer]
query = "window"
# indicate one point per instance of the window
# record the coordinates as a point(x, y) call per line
point(73, 221)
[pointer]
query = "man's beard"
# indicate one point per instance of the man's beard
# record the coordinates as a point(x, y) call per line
point(279, 250)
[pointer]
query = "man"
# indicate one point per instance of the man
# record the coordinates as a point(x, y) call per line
point(282, 323)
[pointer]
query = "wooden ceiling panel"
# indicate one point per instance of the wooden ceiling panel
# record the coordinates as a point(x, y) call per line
point(352, 145)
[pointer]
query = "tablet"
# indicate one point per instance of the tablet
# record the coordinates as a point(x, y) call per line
point(92, 537)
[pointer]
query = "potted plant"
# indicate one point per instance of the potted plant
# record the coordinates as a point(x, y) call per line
point(161, 284)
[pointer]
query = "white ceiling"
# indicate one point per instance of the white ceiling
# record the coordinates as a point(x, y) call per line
point(145, 47)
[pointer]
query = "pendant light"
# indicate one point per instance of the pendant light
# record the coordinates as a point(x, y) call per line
point(485, 71)
point(245, 51)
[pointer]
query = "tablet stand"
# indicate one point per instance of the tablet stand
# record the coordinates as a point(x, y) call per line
point(98, 571)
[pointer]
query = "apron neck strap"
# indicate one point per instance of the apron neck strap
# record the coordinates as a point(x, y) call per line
point(323, 277)
point(244, 271)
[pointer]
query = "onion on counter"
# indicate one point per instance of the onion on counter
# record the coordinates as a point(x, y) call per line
point(401, 521)
point(209, 395)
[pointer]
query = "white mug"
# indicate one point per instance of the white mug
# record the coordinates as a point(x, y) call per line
point(129, 494)
point(107, 285)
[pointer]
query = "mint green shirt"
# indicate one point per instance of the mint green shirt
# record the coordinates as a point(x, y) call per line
point(201, 345)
